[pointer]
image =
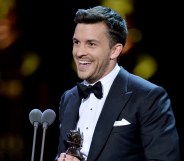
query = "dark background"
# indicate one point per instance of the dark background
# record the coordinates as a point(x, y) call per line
point(47, 29)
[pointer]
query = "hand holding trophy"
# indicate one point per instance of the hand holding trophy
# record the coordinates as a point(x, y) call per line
point(75, 140)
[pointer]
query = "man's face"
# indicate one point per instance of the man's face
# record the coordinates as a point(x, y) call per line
point(91, 51)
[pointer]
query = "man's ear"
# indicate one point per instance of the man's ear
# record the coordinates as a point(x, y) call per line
point(116, 51)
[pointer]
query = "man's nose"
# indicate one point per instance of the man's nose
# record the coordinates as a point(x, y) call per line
point(81, 51)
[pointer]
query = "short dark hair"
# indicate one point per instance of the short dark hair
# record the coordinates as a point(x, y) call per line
point(116, 24)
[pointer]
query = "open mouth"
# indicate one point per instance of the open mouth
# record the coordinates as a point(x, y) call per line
point(84, 65)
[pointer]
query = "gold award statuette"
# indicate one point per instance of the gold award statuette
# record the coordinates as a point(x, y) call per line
point(75, 140)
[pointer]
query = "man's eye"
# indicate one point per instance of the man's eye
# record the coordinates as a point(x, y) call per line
point(92, 44)
point(75, 42)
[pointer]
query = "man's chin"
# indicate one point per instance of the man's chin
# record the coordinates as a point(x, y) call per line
point(83, 75)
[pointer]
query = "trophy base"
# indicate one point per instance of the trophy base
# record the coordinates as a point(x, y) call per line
point(74, 152)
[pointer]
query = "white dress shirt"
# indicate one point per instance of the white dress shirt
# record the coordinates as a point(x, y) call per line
point(90, 110)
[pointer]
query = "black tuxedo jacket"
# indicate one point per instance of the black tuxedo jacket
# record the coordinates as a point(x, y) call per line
point(151, 134)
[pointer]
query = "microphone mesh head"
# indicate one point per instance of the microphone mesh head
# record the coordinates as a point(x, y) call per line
point(48, 116)
point(35, 116)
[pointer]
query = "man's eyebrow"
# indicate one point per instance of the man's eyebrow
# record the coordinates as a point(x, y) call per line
point(74, 38)
point(93, 40)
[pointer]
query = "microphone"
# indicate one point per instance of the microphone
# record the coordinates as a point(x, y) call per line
point(47, 119)
point(35, 119)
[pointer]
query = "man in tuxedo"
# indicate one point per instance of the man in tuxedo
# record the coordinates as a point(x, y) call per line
point(121, 116)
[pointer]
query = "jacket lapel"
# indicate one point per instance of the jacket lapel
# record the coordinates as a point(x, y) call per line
point(114, 104)
point(71, 114)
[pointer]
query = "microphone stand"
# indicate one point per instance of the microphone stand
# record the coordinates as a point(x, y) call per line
point(34, 140)
point(45, 125)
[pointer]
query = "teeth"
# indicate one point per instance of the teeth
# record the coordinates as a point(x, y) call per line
point(83, 62)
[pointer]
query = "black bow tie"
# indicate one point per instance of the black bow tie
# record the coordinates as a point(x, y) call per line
point(85, 91)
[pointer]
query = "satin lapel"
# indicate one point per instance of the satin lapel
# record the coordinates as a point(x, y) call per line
point(71, 113)
point(114, 104)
